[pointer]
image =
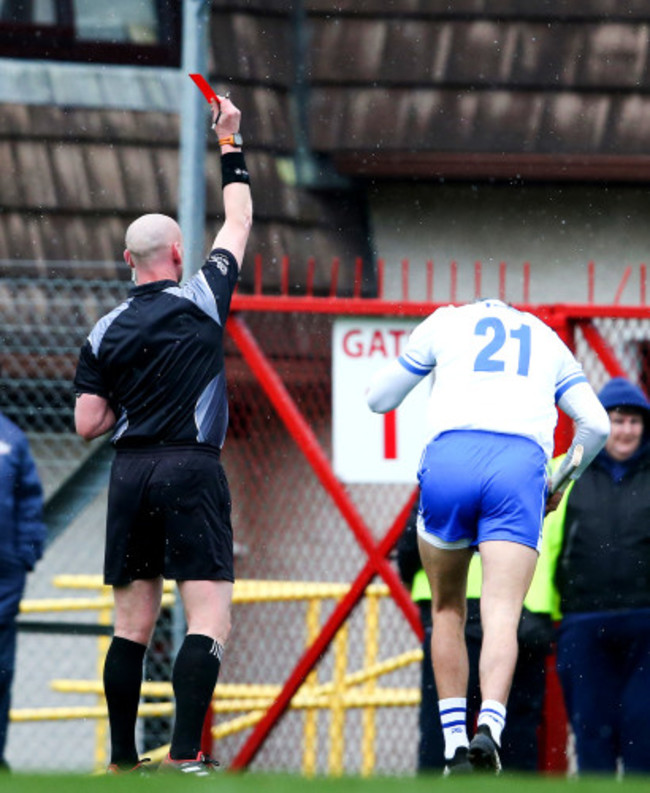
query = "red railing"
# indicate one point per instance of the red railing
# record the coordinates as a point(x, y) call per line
point(402, 275)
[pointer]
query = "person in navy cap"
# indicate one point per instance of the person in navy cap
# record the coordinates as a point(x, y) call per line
point(603, 581)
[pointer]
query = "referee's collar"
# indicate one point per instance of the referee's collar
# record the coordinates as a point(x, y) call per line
point(152, 286)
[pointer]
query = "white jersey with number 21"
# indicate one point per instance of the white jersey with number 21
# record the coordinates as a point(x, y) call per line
point(496, 369)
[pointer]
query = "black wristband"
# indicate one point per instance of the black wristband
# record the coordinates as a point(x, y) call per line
point(233, 168)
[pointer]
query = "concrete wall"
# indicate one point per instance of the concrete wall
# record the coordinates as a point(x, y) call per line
point(557, 228)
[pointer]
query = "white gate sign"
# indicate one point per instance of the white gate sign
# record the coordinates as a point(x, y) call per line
point(372, 447)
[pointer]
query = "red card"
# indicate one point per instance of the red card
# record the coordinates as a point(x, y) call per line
point(205, 88)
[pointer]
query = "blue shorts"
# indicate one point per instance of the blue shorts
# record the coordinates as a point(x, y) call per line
point(477, 486)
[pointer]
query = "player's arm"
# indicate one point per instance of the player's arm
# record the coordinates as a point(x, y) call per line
point(591, 425)
point(390, 385)
point(93, 416)
point(237, 200)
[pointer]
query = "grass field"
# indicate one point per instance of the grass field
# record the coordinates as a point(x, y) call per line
point(281, 783)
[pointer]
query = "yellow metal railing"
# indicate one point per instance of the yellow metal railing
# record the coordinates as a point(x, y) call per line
point(345, 691)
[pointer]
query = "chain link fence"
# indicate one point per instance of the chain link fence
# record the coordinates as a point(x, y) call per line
point(287, 528)
point(629, 340)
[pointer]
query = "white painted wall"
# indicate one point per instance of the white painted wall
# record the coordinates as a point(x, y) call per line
point(558, 229)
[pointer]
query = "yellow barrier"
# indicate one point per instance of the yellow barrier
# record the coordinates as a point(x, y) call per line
point(250, 591)
point(345, 691)
point(57, 605)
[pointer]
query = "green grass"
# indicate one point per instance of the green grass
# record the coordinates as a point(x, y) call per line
point(284, 783)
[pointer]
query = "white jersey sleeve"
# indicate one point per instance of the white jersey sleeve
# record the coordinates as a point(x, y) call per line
point(496, 369)
point(592, 424)
point(389, 386)
point(419, 356)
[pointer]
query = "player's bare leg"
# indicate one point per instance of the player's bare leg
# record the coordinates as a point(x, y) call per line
point(507, 572)
point(447, 574)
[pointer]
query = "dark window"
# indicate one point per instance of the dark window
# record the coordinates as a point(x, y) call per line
point(145, 32)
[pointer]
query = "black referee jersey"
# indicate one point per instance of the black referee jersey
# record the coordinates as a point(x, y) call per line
point(158, 359)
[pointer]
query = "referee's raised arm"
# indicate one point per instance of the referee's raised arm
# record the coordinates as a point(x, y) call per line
point(237, 201)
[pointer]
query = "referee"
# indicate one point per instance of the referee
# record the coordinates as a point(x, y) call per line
point(152, 371)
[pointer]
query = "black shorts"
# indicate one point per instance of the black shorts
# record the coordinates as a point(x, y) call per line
point(169, 515)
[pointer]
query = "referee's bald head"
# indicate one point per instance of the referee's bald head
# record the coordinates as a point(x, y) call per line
point(151, 235)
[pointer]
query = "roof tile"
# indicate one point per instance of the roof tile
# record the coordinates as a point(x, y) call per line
point(105, 177)
point(34, 169)
point(70, 176)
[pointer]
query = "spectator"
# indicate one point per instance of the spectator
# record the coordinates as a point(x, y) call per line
point(153, 371)
point(488, 434)
point(22, 537)
point(603, 581)
point(520, 746)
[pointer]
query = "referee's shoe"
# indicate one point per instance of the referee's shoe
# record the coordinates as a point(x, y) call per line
point(483, 751)
point(138, 769)
point(201, 765)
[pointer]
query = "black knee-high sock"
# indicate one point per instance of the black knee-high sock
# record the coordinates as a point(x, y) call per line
point(122, 683)
point(194, 677)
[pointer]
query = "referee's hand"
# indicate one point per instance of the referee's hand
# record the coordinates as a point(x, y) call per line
point(225, 117)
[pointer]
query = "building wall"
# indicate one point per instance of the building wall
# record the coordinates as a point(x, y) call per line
point(557, 228)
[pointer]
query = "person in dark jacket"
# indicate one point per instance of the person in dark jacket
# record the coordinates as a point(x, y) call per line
point(603, 581)
point(22, 536)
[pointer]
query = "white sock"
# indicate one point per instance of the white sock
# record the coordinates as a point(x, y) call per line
point(493, 714)
point(453, 717)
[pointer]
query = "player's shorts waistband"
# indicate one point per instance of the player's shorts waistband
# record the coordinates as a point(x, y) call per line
point(147, 450)
point(507, 437)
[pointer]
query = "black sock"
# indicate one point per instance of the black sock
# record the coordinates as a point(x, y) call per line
point(194, 677)
point(122, 683)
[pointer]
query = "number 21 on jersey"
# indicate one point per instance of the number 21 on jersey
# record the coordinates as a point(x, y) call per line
point(501, 346)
